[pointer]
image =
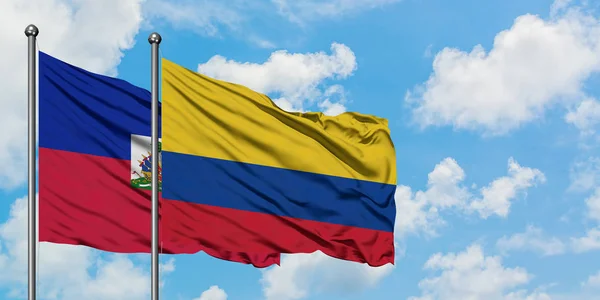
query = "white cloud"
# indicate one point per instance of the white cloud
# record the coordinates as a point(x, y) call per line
point(415, 213)
point(299, 274)
point(334, 100)
point(204, 17)
point(533, 66)
point(90, 34)
point(168, 266)
point(589, 242)
point(302, 11)
point(559, 6)
point(593, 205)
point(213, 293)
point(532, 239)
point(470, 275)
point(428, 51)
point(331, 109)
point(497, 195)
point(69, 272)
point(585, 174)
point(525, 295)
point(297, 88)
point(593, 281)
point(210, 18)
point(420, 211)
point(215, 18)
point(586, 117)
point(589, 290)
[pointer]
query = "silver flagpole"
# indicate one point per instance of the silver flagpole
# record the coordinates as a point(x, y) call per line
point(154, 39)
point(31, 32)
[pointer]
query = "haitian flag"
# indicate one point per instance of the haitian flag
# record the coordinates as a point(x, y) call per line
point(94, 170)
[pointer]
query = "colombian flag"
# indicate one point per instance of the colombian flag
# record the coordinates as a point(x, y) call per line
point(94, 171)
point(244, 174)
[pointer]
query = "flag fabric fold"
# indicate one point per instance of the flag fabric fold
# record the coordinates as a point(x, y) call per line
point(242, 173)
point(94, 170)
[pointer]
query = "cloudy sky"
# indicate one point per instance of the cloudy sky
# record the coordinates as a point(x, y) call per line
point(493, 107)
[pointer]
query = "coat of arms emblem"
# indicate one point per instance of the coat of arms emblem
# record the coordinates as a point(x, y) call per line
point(141, 162)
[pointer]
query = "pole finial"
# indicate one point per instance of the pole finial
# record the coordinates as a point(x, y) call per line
point(154, 38)
point(31, 30)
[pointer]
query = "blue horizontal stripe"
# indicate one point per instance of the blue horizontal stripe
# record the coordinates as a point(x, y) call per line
point(87, 113)
point(276, 191)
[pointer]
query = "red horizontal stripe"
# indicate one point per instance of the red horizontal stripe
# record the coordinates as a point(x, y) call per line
point(226, 228)
point(88, 200)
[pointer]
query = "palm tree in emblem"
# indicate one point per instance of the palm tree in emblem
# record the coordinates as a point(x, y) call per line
point(146, 165)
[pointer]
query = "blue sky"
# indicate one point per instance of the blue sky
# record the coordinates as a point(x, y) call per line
point(493, 111)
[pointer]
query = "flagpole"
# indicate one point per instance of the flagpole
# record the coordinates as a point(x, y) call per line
point(31, 32)
point(154, 39)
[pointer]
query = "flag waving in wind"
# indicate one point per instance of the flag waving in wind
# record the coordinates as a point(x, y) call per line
point(95, 169)
point(246, 174)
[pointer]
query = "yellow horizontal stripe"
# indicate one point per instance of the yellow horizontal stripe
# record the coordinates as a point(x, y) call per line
point(206, 117)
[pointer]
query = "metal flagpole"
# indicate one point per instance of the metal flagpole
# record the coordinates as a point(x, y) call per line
point(154, 39)
point(31, 32)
